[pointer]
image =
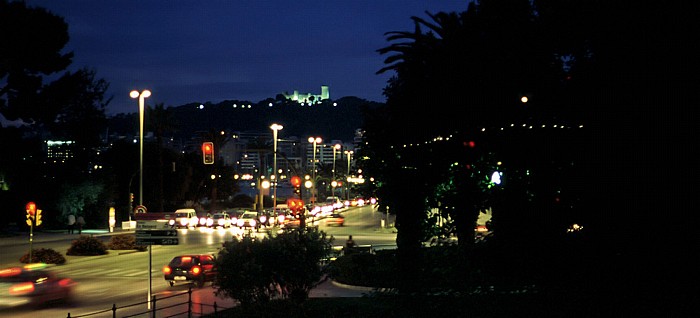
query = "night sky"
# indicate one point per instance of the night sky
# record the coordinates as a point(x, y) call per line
point(210, 51)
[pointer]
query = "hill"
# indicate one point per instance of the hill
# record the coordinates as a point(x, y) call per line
point(332, 119)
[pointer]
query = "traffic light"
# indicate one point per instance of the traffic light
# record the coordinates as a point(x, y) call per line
point(295, 205)
point(37, 218)
point(31, 208)
point(208, 152)
point(30, 220)
point(296, 183)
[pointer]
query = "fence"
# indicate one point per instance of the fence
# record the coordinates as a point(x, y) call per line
point(171, 308)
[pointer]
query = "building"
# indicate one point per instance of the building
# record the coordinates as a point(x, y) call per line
point(309, 98)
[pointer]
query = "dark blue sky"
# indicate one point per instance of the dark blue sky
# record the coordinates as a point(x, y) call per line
point(199, 51)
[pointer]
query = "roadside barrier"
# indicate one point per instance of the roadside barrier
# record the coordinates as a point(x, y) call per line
point(189, 311)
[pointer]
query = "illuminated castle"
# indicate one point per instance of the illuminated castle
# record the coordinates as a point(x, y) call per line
point(309, 98)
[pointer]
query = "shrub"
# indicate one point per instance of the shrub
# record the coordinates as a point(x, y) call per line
point(125, 242)
point(364, 269)
point(249, 266)
point(44, 255)
point(87, 246)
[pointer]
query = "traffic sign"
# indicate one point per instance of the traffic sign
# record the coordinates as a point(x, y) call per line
point(140, 209)
point(152, 225)
point(157, 241)
point(155, 233)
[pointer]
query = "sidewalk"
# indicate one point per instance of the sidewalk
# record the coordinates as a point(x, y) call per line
point(15, 238)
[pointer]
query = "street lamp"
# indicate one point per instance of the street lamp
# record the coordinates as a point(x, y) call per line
point(275, 128)
point(347, 181)
point(315, 141)
point(336, 147)
point(141, 96)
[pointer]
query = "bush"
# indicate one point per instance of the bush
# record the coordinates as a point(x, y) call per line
point(249, 266)
point(44, 255)
point(125, 242)
point(87, 246)
point(365, 269)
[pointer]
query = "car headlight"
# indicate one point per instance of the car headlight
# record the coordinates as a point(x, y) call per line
point(240, 223)
point(263, 219)
point(252, 222)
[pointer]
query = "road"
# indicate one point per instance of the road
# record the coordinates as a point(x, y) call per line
point(120, 278)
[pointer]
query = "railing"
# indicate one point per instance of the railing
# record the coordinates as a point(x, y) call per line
point(189, 311)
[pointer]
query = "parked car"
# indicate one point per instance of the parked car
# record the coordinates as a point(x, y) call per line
point(32, 285)
point(190, 268)
point(221, 219)
point(335, 219)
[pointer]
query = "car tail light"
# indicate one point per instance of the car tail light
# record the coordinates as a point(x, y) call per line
point(167, 270)
point(10, 272)
point(65, 282)
point(23, 288)
point(196, 270)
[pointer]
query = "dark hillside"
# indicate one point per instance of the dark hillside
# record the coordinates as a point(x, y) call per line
point(325, 120)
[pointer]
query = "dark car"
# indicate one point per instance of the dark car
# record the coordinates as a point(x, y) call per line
point(190, 268)
point(32, 285)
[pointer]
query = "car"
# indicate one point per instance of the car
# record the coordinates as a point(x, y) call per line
point(335, 219)
point(334, 202)
point(185, 218)
point(190, 268)
point(220, 219)
point(249, 219)
point(33, 285)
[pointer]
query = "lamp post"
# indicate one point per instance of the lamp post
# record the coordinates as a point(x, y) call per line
point(314, 141)
point(336, 147)
point(347, 181)
point(275, 128)
point(141, 96)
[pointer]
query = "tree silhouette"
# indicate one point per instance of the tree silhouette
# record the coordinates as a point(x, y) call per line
point(162, 122)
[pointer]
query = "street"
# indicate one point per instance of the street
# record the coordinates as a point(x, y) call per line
point(120, 278)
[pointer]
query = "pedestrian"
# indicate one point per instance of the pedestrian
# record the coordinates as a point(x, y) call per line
point(71, 223)
point(81, 223)
point(349, 245)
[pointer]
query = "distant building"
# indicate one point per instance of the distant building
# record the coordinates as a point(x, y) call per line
point(58, 151)
point(308, 98)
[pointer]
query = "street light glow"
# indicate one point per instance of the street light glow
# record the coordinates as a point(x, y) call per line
point(314, 141)
point(275, 128)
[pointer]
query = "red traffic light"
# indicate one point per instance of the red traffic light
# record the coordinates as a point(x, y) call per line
point(296, 181)
point(31, 208)
point(208, 152)
point(295, 205)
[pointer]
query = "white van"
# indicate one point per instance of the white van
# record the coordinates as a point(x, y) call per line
point(185, 218)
